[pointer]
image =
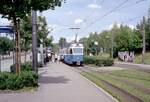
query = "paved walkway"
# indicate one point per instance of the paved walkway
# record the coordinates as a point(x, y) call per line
point(59, 83)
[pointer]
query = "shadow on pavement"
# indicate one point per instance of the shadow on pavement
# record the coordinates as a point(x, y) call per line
point(53, 80)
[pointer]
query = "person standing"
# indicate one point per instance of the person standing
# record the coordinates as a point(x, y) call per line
point(56, 57)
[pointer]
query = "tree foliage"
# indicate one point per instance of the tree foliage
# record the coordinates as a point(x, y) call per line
point(123, 38)
point(19, 8)
point(16, 10)
point(42, 34)
point(147, 31)
point(62, 42)
point(26, 33)
point(6, 45)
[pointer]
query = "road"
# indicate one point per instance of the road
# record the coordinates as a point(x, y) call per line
point(60, 83)
point(143, 67)
point(6, 63)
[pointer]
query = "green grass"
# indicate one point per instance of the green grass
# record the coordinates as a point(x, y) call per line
point(138, 58)
point(140, 78)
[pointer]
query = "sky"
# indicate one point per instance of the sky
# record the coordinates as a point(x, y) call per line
point(92, 16)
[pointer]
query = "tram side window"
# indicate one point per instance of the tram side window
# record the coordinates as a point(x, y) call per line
point(71, 52)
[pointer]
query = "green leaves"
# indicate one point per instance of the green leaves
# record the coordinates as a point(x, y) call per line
point(5, 45)
point(19, 8)
point(124, 39)
point(10, 81)
point(62, 42)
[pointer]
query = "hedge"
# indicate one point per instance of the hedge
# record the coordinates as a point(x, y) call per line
point(97, 61)
point(11, 81)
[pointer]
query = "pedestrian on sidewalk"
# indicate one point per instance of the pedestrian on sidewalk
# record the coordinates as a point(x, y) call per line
point(56, 57)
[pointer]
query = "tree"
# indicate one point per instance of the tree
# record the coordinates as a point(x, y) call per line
point(147, 30)
point(126, 40)
point(85, 43)
point(55, 47)
point(26, 34)
point(62, 42)
point(17, 9)
point(121, 38)
point(43, 31)
point(6, 45)
point(48, 41)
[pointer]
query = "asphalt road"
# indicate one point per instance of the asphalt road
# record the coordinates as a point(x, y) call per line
point(6, 63)
point(59, 83)
point(132, 66)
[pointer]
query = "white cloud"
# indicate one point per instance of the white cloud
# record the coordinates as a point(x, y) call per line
point(111, 26)
point(132, 26)
point(70, 13)
point(94, 6)
point(77, 21)
point(71, 38)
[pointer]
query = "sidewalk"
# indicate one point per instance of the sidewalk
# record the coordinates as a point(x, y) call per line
point(59, 83)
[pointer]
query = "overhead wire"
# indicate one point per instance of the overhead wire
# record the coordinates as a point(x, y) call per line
point(131, 5)
point(85, 19)
point(106, 14)
point(120, 6)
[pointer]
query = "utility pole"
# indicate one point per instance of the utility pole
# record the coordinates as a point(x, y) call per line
point(34, 41)
point(0, 62)
point(144, 42)
point(19, 48)
point(112, 45)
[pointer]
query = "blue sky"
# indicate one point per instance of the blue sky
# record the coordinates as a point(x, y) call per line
point(83, 13)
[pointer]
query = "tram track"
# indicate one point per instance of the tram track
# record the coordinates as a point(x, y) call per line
point(116, 90)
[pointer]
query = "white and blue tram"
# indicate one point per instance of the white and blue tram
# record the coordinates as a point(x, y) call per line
point(73, 55)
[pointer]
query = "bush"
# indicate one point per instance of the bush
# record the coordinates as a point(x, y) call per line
point(97, 61)
point(108, 62)
point(10, 81)
point(24, 67)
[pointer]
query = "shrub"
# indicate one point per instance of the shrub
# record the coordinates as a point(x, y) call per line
point(24, 67)
point(108, 62)
point(29, 78)
point(10, 81)
point(97, 61)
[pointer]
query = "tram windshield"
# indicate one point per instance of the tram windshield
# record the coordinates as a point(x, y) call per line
point(78, 50)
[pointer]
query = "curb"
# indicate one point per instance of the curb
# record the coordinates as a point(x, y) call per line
point(99, 88)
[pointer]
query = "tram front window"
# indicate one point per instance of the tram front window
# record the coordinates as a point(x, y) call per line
point(78, 50)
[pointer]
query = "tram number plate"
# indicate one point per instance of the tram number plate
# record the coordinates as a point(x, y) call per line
point(78, 63)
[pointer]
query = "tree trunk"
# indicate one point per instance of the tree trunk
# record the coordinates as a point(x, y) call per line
point(17, 45)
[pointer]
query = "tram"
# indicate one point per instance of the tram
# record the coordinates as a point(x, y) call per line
point(73, 54)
